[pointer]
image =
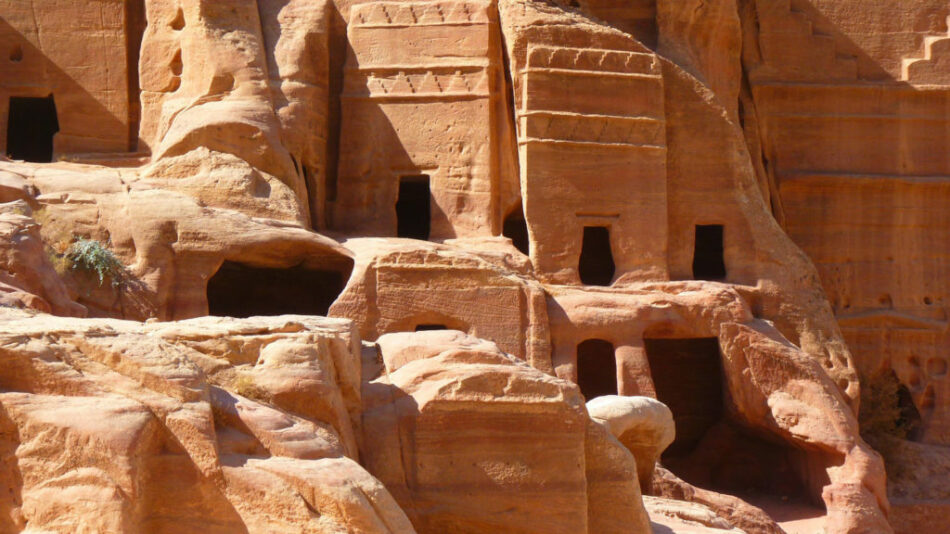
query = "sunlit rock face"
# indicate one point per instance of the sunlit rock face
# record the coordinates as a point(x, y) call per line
point(588, 265)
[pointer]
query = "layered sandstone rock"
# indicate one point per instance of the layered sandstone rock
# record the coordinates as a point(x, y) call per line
point(424, 101)
point(522, 452)
point(801, 399)
point(206, 425)
point(668, 515)
point(171, 243)
point(30, 281)
point(492, 296)
point(644, 426)
point(616, 192)
point(209, 116)
point(729, 511)
point(46, 52)
point(917, 484)
point(861, 148)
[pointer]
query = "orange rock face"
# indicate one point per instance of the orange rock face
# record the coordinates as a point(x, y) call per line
point(614, 266)
point(214, 425)
point(522, 452)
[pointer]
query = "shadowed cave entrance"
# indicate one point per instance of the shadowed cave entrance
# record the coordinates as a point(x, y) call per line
point(596, 368)
point(711, 449)
point(596, 266)
point(31, 124)
point(413, 207)
point(238, 290)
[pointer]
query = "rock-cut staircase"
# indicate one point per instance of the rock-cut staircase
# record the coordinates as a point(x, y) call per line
point(934, 66)
point(790, 42)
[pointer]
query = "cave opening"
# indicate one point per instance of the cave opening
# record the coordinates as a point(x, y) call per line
point(708, 253)
point(687, 377)
point(413, 207)
point(239, 290)
point(515, 228)
point(596, 368)
point(712, 450)
point(596, 266)
point(31, 125)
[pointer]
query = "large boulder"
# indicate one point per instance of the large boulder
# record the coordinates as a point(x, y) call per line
point(644, 425)
point(470, 439)
point(213, 425)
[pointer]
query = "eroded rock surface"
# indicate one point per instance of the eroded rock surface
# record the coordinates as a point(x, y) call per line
point(644, 425)
point(216, 425)
point(524, 454)
point(723, 218)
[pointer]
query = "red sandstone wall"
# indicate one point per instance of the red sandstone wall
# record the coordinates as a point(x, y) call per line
point(863, 172)
point(78, 52)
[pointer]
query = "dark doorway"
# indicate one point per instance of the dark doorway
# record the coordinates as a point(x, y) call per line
point(238, 290)
point(430, 327)
point(708, 261)
point(516, 229)
point(31, 125)
point(688, 379)
point(413, 208)
point(596, 368)
point(596, 266)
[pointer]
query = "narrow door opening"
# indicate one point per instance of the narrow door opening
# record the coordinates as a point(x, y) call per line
point(515, 228)
point(687, 377)
point(31, 125)
point(238, 290)
point(596, 266)
point(413, 207)
point(596, 368)
point(708, 260)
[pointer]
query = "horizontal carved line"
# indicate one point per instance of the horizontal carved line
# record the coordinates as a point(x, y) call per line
point(593, 116)
point(475, 65)
point(420, 24)
point(534, 140)
point(864, 116)
point(417, 96)
point(597, 73)
point(792, 177)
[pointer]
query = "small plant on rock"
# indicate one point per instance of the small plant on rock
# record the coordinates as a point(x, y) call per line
point(92, 256)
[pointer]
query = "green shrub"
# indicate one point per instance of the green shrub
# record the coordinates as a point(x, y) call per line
point(92, 256)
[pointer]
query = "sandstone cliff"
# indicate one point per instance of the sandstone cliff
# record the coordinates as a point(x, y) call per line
point(589, 266)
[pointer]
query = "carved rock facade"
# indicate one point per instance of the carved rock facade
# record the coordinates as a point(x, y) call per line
point(736, 207)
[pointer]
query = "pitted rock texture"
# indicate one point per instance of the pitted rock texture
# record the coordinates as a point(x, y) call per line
point(736, 208)
point(211, 425)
